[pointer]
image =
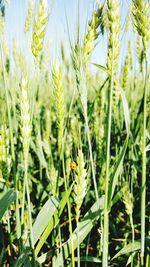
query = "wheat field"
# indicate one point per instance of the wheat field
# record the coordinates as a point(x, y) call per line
point(75, 139)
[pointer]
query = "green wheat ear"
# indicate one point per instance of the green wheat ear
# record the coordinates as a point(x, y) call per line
point(127, 198)
point(113, 20)
point(80, 183)
point(59, 102)
point(5, 160)
point(39, 30)
point(113, 14)
point(127, 67)
point(92, 33)
point(29, 17)
point(25, 118)
point(142, 20)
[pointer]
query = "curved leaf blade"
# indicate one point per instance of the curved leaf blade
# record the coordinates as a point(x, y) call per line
point(6, 201)
point(44, 217)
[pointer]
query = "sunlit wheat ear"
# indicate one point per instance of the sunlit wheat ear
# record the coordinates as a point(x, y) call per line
point(48, 122)
point(127, 198)
point(68, 153)
point(25, 118)
point(128, 21)
point(140, 52)
point(80, 183)
point(5, 160)
point(59, 102)
point(99, 119)
point(39, 29)
point(92, 33)
point(127, 67)
point(76, 130)
point(113, 14)
point(29, 16)
point(18, 57)
point(142, 20)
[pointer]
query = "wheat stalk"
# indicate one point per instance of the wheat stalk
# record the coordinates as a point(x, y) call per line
point(113, 14)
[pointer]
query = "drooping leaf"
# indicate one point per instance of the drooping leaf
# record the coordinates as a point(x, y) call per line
point(44, 217)
point(54, 221)
point(102, 68)
point(132, 247)
point(6, 201)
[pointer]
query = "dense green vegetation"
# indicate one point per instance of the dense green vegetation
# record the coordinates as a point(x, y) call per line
point(75, 143)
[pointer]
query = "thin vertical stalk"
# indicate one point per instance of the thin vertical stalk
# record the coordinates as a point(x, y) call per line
point(69, 214)
point(143, 182)
point(29, 204)
point(133, 238)
point(147, 260)
point(106, 216)
point(78, 248)
point(23, 202)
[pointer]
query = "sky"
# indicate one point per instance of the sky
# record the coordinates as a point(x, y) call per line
point(62, 12)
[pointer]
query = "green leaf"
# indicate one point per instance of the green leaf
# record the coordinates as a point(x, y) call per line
point(132, 247)
point(83, 229)
point(102, 68)
point(20, 261)
point(44, 217)
point(117, 197)
point(89, 259)
point(38, 149)
point(128, 249)
point(54, 221)
point(116, 172)
point(6, 201)
point(147, 148)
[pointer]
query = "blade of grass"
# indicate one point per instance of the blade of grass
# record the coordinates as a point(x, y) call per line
point(53, 221)
point(6, 201)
